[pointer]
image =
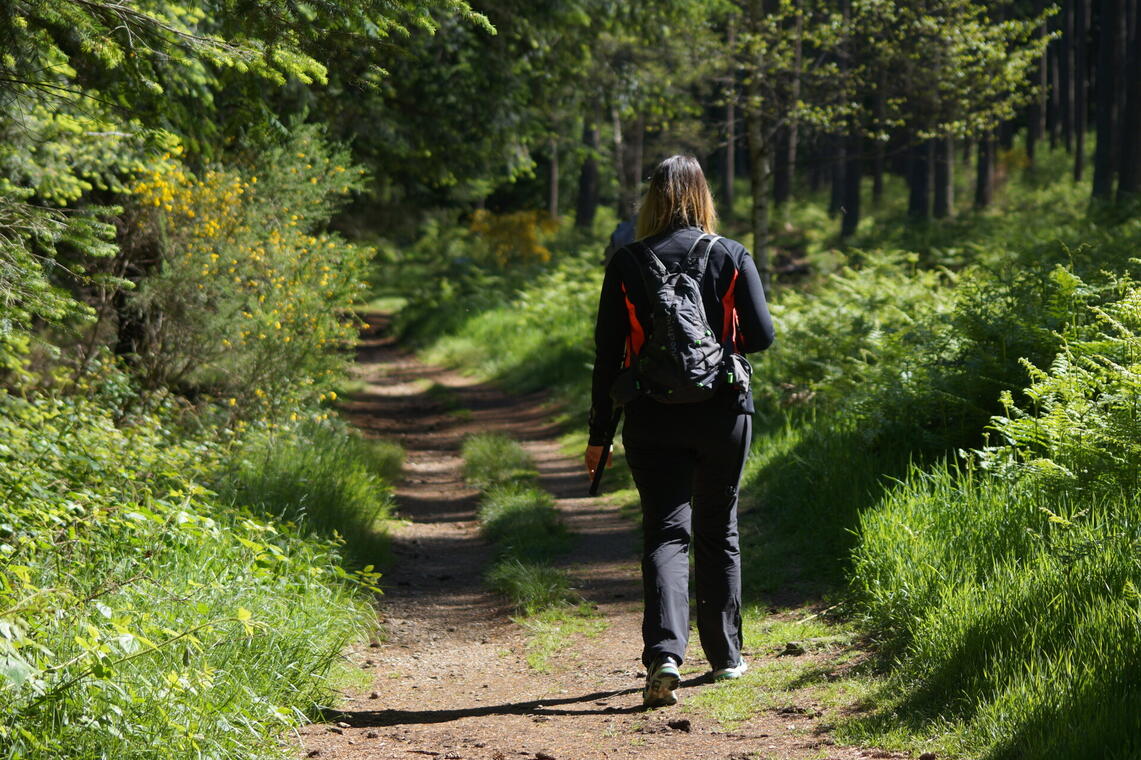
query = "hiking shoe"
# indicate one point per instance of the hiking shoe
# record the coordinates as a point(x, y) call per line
point(661, 681)
point(733, 673)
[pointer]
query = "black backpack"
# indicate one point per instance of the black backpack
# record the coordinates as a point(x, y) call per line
point(681, 360)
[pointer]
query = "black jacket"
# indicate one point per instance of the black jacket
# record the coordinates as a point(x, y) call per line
point(731, 291)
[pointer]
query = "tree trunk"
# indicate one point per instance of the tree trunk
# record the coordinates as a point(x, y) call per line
point(760, 157)
point(836, 160)
point(784, 163)
point(984, 178)
point(759, 173)
point(944, 205)
point(878, 157)
point(1054, 101)
point(553, 187)
point(634, 155)
point(1080, 84)
point(919, 181)
point(1067, 53)
point(782, 169)
point(1036, 121)
point(852, 171)
point(1107, 48)
point(588, 178)
point(729, 170)
point(1129, 184)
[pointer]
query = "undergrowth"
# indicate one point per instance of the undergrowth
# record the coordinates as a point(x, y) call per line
point(142, 615)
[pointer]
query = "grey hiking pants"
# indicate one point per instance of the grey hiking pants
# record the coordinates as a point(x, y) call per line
point(686, 460)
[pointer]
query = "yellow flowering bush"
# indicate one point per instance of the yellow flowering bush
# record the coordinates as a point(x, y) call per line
point(252, 300)
point(515, 238)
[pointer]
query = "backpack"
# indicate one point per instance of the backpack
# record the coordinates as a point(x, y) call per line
point(681, 359)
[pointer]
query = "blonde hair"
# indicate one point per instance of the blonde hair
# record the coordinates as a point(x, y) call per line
point(678, 196)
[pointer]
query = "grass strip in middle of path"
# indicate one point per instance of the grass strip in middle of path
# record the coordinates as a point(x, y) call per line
point(521, 520)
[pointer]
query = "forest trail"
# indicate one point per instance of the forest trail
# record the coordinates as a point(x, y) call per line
point(450, 678)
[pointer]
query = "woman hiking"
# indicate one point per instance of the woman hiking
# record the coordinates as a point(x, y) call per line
point(688, 412)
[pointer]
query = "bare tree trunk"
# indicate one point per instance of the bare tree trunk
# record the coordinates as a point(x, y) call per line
point(625, 206)
point(879, 159)
point(1107, 131)
point(760, 159)
point(852, 171)
point(588, 178)
point(1081, 85)
point(729, 170)
point(944, 178)
point(1036, 121)
point(919, 181)
point(1067, 56)
point(984, 178)
point(1129, 184)
point(634, 155)
point(837, 160)
point(1054, 102)
point(761, 178)
point(553, 199)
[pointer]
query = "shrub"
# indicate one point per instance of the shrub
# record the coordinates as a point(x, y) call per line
point(248, 296)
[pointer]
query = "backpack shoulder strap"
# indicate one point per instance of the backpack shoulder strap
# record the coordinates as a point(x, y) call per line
point(696, 260)
point(654, 272)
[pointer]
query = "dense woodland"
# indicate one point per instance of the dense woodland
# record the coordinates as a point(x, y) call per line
point(197, 199)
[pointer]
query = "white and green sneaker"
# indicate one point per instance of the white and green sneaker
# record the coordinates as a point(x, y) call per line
point(733, 673)
point(661, 681)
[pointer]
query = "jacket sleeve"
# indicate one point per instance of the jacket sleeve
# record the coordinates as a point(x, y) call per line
point(755, 327)
point(610, 332)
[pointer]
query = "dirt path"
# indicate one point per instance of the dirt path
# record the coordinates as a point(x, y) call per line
point(449, 678)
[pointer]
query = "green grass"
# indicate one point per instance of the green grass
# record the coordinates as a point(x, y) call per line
point(554, 631)
point(830, 677)
point(492, 458)
point(144, 615)
point(522, 521)
point(327, 481)
point(531, 587)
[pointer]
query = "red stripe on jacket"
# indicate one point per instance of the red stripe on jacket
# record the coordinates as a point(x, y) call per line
point(637, 335)
point(729, 312)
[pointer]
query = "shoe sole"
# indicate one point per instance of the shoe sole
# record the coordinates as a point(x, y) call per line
point(660, 692)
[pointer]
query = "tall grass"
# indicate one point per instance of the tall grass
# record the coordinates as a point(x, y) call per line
point(326, 480)
point(140, 614)
point(1008, 584)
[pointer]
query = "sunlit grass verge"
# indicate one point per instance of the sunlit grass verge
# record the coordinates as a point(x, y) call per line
point(555, 629)
point(491, 458)
point(140, 614)
point(828, 672)
point(327, 480)
point(1017, 616)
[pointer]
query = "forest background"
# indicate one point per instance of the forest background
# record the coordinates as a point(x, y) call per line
point(196, 198)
